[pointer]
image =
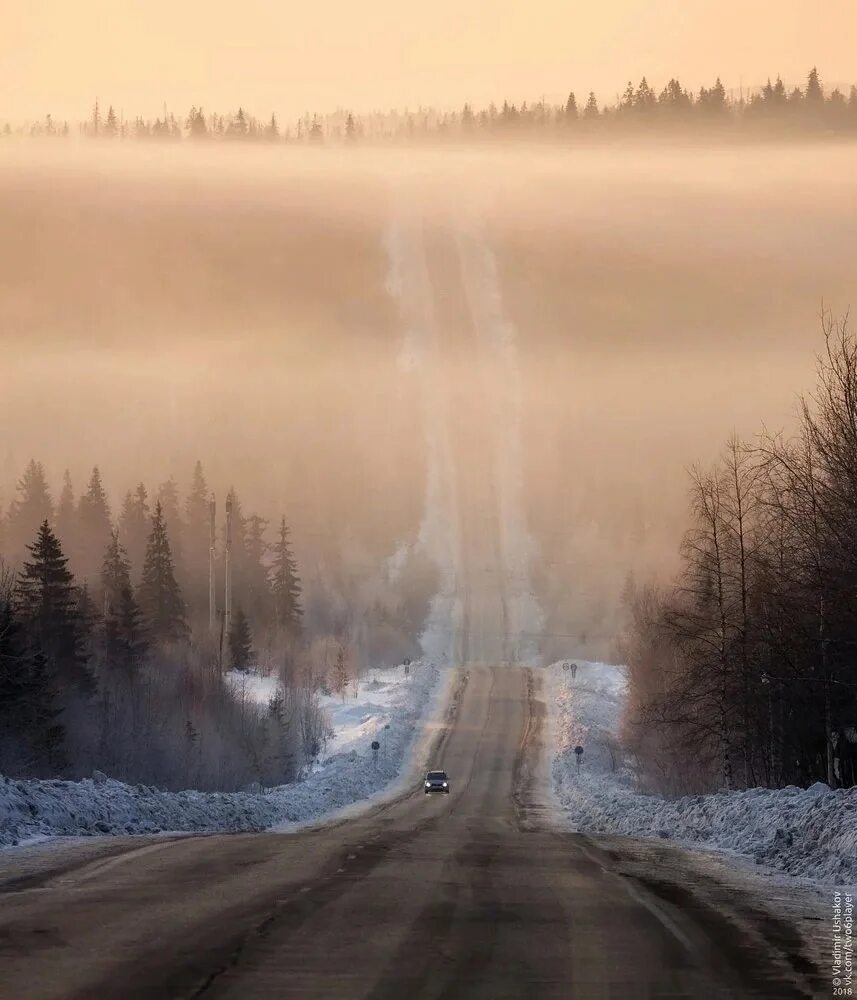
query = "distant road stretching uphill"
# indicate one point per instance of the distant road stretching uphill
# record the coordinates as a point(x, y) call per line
point(459, 896)
point(463, 350)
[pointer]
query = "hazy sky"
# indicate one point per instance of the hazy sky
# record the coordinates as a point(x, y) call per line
point(57, 55)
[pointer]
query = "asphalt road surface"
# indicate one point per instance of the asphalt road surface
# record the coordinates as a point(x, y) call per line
point(468, 895)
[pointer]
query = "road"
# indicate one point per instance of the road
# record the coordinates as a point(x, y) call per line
point(474, 894)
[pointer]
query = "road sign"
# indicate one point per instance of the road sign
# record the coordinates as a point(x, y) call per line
point(376, 745)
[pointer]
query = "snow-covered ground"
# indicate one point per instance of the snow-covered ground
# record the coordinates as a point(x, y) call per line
point(349, 773)
point(804, 832)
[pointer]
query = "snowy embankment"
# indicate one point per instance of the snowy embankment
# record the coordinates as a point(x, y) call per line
point(348, 773)
point(806, 832)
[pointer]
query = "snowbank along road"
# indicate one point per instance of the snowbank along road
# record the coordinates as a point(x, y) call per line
point(468, 895)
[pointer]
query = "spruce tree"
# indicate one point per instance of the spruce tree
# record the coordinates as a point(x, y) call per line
point(115, 572)
point(67, 516)
point(159, 595)
point(168, 496)
point(49, 605)
point(571, 108)
point(254, 572)
point(31, 506)
point(197, 541)
point(30, 735)
point(124, 633)
point(94, 528)
point(240, 642)
point(814, 90)
point(134, 524)
point(111, 125)
point(591, 112)
point(285, 584)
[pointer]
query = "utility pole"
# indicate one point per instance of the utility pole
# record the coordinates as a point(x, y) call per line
point(212, 590)
point(227, 600)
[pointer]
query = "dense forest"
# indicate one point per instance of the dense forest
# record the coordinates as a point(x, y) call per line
point(773, 109)
point(113, 657)
point(743, 671)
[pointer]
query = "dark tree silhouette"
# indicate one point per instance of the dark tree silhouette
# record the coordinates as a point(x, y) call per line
point(168, 496)
point(240, 642)
point(30, 736)
point(285, 584)
point(94, 528)
point(195, 569)
point(124, 634)
point(134, 525)
point(159, 595)
point(31, 506)
point(67, 516)
point(571, 108)
point(49, 605)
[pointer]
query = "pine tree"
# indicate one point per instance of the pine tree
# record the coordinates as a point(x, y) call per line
point(67, 516)
point(124, 633)
point(571, 108)
point(49, 605)
point(351, 128)
point(94, 528)
point(254, 572)
point(159, 595)
point(240, 642)
point(340, 672)
point(134, 523)
point(272, 129)
point(115, 572)
point(196, 124)
point(88, 617)
point(814, 90)
point(197, 538)
point(29, 732)
point(31, 506)
point(238, 127)
point(316, 135)
point(111, 125)
point(168, 496)
point(591, 112)
point(285, 584)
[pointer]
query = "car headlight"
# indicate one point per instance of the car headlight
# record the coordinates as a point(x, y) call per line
point(428, 784)
point(445, 785)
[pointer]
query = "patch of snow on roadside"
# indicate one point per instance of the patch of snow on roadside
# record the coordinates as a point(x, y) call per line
point(809, 832)
point(349, 774)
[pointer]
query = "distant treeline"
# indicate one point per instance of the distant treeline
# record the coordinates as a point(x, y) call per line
point(773, 108)
point(743, 671)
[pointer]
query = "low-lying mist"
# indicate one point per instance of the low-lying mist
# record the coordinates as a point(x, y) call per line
point(318, 326)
